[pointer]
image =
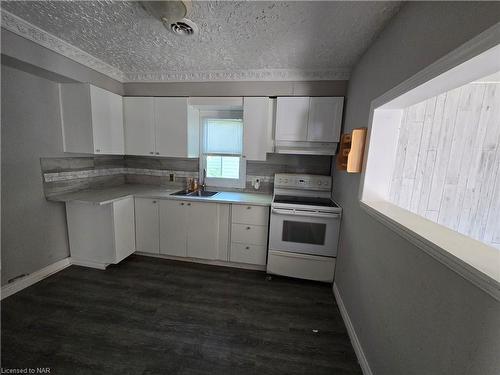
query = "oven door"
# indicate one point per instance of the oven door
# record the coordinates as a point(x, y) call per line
point(304, 232)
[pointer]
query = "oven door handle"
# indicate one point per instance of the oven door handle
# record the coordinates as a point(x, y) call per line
point(281, 211)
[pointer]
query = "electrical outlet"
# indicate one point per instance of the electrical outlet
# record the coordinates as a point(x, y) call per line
point(256, 183)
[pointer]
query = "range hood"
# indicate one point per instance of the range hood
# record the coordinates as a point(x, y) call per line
point(305, 148)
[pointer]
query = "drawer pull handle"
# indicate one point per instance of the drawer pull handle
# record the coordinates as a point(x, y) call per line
point(248, 228)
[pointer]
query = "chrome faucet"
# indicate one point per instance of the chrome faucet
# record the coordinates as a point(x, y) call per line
point(204, 176)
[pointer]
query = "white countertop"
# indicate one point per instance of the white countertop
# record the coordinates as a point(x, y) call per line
point(111, 194)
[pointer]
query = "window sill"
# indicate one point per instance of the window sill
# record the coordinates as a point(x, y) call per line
point(481, 267)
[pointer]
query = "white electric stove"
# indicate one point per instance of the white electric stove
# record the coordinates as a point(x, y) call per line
point(304, 229)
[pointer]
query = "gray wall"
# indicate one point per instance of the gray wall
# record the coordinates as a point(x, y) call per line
point(243, 88)
point(33, 230)
point(412, 314)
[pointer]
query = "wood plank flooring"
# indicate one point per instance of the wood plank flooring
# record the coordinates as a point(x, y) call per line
point(155, 316)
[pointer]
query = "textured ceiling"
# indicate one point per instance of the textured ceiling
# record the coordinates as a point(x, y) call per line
point(234, 36)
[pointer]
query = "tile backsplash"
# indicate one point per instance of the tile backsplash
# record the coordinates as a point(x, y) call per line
point(68, 174)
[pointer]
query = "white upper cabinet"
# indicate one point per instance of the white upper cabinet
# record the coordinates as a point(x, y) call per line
point(92, 119)
point(292, 114)
point(161, 126)
point(257, 127)
point(305, 119)
point(325, 119)
point(139, 126)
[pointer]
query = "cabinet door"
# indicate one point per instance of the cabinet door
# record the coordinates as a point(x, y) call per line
point(147, 225)
point(248, 214)
point(256, 128)
point(123, 219)
point(171, 118)
point(139, 126)
point(250, 234)
point(325, 119)
point(117, 145)
point(203, 230)
point(173, 227)
point(107, 121)
point(291, 118)
point(76, 118)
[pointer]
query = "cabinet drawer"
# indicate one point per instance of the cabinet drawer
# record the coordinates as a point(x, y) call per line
point(248, 214)
point(251, 234)
point(246, 253)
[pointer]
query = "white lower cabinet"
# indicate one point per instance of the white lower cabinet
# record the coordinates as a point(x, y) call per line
point(100, 234)
point(173, 228)
point(202, 230)
point(249, 234)
point(147, 225)
point(203, 227)
point(189, 229)
point(247, 253)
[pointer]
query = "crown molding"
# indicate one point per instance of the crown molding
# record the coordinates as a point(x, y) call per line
point(239, 75)
point(33, 33)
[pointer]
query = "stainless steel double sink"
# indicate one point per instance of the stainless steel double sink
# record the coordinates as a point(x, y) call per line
point(197, 193)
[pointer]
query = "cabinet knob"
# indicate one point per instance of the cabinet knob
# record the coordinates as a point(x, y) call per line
point(182, 203)
point(97, 150)
point(247, 247)
point(154, 201)
point(157, 153)
point(189, 204)
point(249, 208)
point(248, 228)
point(151, 152)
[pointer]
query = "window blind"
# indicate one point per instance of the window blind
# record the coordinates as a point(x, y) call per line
point(223, 136)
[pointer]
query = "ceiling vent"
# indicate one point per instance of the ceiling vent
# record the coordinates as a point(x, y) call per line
point(184, 27)
point(172, 13)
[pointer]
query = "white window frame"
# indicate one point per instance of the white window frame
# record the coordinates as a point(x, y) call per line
point(482, 265)
point(221, 182)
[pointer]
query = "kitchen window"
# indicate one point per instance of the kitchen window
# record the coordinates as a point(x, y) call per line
point(221, 159)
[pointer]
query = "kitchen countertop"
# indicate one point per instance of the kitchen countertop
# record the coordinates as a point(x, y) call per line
point(112, 194)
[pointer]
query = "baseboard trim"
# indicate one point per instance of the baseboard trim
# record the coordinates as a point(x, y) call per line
point(33, 278)
point(89, 264)
point(363, 362)
point(254, 267)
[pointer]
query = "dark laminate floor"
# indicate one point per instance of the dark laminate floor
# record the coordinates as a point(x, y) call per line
point(154, 316)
